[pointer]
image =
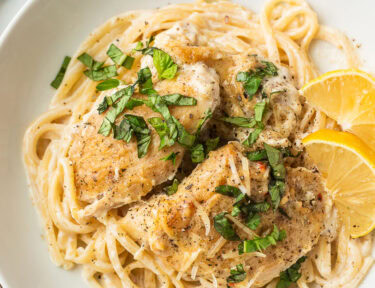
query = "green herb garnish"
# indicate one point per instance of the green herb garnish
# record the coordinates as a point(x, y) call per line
point(224, 227)
point(179, 100)
point(124, 131)
point(119, 57)
point(142, 133)
point(239, 121)
point(170, 190)
point(164, 64)
point(276, 189)
point(237, 275)
point(257, 155)
point(60, 75)
point(252, 80)
point(291, 275)
point(161, 128)
point(275, 158)
point(96, 70)
point(171, 157)
point(108, 84)
point(211, 144)
point(261, 243)
point(253, 221)
point(197, 153)
point(228, 190)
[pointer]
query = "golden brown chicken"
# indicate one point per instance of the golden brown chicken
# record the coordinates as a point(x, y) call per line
point(180, 228)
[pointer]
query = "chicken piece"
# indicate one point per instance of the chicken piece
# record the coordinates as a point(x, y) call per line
point(184, 43)
point(108, 172)
point(175, 229)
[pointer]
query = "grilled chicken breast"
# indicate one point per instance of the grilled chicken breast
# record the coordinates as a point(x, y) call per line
point(108, 172)
point(175, 227)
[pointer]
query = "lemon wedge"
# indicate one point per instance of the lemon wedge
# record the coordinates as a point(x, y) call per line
point(347, 96)
point(348, 165)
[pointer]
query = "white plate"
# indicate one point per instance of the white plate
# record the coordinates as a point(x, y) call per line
point(31, 50)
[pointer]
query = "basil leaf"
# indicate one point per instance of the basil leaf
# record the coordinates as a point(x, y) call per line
point(117, 108)
point(239, 121)
point(211, 144)
point(142, 133)
point(259, 109)
point(123, 131)
point(108, 84)
point(197, 153)
point(172, 189)
point(179, 100)
point(236, 275)
point(134, 102)
point(275, 159)
point(89, 62)
point(270, 69)
point(261, 243)
point(253, 222)
point(228, 190)
point(103, 73)
point(60, 75)
point(171, 157)
point(164, 64)
point(162, 129)
point(251, 86)
point(105, 128)
point(183, 137)
point(108, 101)
point(257, 155)
point(276, 191)
point(253, 136)
point(224, 227)
point(116, 54)
point(291, 275)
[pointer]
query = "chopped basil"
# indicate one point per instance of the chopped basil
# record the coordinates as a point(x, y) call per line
point(253, 221)
point(109, 101)
point(197, 153)
point(224, 227)
point(162, 129)
point(275, 159)
point(259, 109)
point(60, 75)
point(123, 131)
point(179, 100)
point(253, 136)
point(240, 121)
point(211, 144)
point(237, 275)
point(142, 133)
point(105, 128)
point(257, 155)
point(252, 80)
point(184, 138)
point(170, 190)
point(108, 84)
point(261, 243)
point(134, 102)
point(119, 57)
point(171, 157)
point(276, 190)
point(228, 190)
point(89, 62)
point(147, 50)
point(291, 275)
point(103, 73)
point(164, 64)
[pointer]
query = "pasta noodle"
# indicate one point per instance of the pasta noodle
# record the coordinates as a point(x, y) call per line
point(282, 32)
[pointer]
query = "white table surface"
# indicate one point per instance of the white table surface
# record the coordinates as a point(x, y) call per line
point(8, 9)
